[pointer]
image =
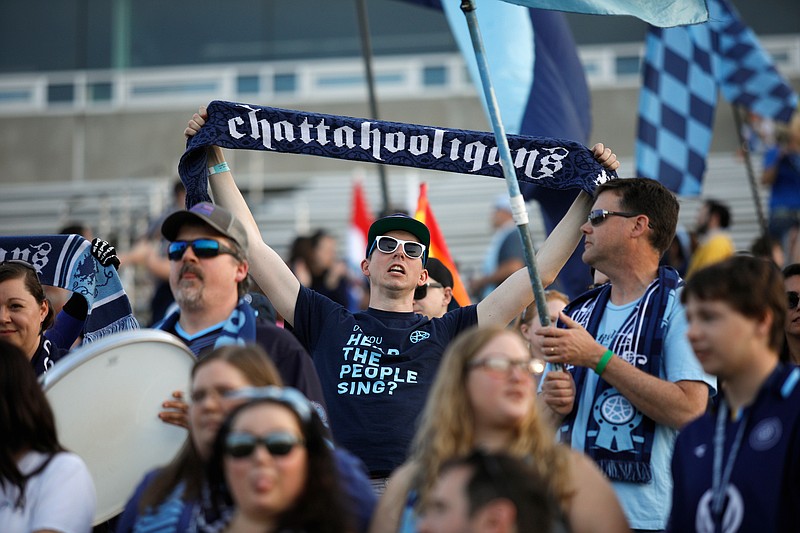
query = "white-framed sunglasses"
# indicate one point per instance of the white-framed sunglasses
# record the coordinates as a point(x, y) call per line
point(388, 245)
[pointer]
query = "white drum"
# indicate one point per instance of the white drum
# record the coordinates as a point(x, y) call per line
point(106, 397)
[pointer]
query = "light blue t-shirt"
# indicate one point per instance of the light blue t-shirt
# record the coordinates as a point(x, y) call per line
point(647, 505)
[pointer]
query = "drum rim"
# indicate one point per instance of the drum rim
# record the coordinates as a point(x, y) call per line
point(99, 347)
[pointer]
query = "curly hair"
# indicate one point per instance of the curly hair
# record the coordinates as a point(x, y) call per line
point(447, 424)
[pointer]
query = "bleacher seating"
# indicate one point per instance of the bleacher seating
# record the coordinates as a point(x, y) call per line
point(462, 205)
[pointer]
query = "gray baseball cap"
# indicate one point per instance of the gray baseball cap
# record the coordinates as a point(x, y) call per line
point(210, 214)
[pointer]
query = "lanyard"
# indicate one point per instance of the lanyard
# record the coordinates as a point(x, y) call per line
point(721, 478)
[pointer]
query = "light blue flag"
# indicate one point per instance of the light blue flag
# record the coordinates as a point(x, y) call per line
point(663, 13)
point(682, 72)
point(509, 52)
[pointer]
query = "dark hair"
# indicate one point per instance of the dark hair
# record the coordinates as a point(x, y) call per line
point(791, 270)
point(318, 235)
point(500, 476)
point(764, 246)
point(753, 286)
point(21, 270)
point(319, 508)
point(187, 467)
point(300, 249)
point(75, 228)
point(715, 207)
point(650, 198)
point(26, 419)
point(178, 188)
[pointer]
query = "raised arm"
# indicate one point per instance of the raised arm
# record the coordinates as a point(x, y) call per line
point(515, 293)
point(266, 266)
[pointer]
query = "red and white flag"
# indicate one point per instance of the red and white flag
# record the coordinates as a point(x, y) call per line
point(360, 220)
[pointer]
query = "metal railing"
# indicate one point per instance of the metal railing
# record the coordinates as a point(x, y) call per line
point(284, 83)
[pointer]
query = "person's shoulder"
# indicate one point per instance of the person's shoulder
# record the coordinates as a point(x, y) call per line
point(269, 333)
point(65, 465)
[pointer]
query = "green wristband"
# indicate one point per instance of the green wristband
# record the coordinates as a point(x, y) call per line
point(603, 363)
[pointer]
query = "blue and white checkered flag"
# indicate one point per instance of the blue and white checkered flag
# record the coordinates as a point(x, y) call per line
point(683, 69)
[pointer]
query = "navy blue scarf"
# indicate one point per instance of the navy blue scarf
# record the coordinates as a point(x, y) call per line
point(619, 437)
point(240, 328)
point(553, 163)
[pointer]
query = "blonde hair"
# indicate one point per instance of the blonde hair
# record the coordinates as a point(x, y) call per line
point(531, 311)
point(447, 425)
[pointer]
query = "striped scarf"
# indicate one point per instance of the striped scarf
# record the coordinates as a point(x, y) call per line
point(619, 437)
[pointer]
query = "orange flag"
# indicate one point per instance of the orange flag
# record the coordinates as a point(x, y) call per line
point(438, 245)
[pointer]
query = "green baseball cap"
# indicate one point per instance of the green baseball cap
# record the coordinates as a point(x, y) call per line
point(400, 222)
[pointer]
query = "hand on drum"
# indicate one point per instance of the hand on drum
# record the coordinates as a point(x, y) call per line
point(175, 411)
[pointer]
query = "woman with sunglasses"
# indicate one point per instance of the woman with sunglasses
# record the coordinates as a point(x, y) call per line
point(167, 500)
point(271, 469)
point(43, 488)
point(484, 398)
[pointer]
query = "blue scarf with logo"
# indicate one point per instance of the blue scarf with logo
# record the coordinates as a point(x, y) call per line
point(553, 163)
point(66, 261)
point(619, 437)
point(240, 328)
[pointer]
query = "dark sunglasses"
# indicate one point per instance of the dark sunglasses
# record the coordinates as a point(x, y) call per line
point(598, 216)
point(421, 292)
point(202, 248)
point(793, 299)
point(388, 245)
point(278, 444)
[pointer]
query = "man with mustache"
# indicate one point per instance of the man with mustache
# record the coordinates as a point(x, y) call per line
point(208, 278)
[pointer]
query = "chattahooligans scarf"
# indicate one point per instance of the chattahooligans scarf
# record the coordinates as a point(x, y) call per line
point(66, 261)
point(553, 163)
point(240, 328)
point(619, 437)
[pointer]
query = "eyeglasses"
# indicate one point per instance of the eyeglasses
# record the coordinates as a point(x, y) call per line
point(421, 292)
point(598, 216)
point(288, 396)
point(501, 365)
point(388, 245)
point(793, 299)
point(202, 248)
point(278, 444)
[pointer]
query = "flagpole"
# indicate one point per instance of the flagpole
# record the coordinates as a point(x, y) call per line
point(509, 173)
point(366, 52)
point(748, 163)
